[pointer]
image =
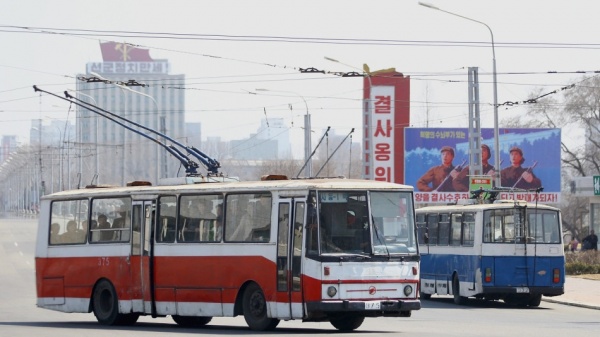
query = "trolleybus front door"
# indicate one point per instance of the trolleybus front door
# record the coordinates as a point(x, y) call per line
point(142, 223)
point(291, 214)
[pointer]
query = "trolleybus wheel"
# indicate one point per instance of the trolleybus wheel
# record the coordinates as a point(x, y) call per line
point(191, 321)
point(456, 291)
point(347, 323)
point(127, 319)
point(255, 309)
point(535, 300)
point(105, 303)
point(517, 300)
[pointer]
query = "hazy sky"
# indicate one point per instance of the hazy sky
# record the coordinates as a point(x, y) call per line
point(227, 49)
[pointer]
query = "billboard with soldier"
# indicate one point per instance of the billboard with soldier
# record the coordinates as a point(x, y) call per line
point(437, 162)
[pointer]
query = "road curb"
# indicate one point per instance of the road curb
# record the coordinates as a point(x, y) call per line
point(573, 304)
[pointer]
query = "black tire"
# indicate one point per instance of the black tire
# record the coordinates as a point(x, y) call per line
point(105, 303)
point(517, 300)
point(255, 309)
point(127, 319)
point(347, 323)
point(535, 300)
point(191, 321)
point(424, 296)
point(460, 300)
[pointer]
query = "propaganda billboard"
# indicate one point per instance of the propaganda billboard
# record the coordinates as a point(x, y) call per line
point(437, 163)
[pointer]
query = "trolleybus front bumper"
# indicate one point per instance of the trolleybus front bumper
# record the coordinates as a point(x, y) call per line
point(379, 308)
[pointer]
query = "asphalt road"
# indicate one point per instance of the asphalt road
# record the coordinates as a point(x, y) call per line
point(19, 315)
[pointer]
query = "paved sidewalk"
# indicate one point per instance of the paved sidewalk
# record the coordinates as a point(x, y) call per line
point(579, 292)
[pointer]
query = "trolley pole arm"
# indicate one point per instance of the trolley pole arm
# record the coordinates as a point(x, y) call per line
point(147, 129)
point(190, 166)
point(211, 164)
point(187, 148)
point(334, 151)
point(315, 150)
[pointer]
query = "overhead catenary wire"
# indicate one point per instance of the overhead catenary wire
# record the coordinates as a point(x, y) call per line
point(287, 39)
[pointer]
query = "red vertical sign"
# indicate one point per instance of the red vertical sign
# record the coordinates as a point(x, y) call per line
point(386, 114)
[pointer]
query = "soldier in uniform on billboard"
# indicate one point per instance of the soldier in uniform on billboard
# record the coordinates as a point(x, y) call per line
point(439, 178)
point(516, 176)
point(461, 182)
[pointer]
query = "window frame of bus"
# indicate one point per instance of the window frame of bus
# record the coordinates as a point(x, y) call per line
point(125, 201)
point(184, 212)
point(532, 230)
point(171, 221)
point(233, 215)
point(63, 237)
point(466, 228)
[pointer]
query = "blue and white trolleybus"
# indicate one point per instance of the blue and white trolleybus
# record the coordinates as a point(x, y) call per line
point(509, 250)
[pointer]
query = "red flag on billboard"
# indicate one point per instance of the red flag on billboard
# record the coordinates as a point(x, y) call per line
point(123, 52)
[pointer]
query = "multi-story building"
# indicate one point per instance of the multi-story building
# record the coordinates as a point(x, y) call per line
point(131, 85)
point(8, 145)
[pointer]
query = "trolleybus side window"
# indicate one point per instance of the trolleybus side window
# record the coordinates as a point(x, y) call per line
point(468, 232)
point(68, 222)
point(444, 229)
point(423, 237)
point(432, 228)
point(455, 229)
point(199, 219)
point(111, 220)
point(248, 217)
point(165, 226)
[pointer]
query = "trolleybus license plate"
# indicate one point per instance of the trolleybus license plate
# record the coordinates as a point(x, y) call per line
point(522, 290)
point(376, 305)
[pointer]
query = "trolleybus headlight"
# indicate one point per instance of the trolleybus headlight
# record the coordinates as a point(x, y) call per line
point(331, 291)
point(408, 290)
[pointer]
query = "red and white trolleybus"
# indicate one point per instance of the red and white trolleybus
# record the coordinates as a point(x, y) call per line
point(336, 250)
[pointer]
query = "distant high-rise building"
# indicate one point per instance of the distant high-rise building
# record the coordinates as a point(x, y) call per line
point(8, 145)
point(130, 84)
point(193, 134)
point(275, 129)
point(254, 148)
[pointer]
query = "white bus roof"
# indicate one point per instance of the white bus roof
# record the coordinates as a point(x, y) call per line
point(290, 185)
point(475, 206)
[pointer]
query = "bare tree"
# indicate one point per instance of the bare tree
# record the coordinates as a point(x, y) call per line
point(575, 107)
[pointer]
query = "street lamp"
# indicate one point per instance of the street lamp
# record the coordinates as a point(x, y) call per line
point(61, 183)
point(106, 81)
point(495, 82)
point(159, 123)
point(79, 136)
point(307, 127)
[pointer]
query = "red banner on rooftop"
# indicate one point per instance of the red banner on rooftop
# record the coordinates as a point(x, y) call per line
point(122, 52)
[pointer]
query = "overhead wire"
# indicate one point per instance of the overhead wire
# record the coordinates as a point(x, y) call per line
point(252, 38)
